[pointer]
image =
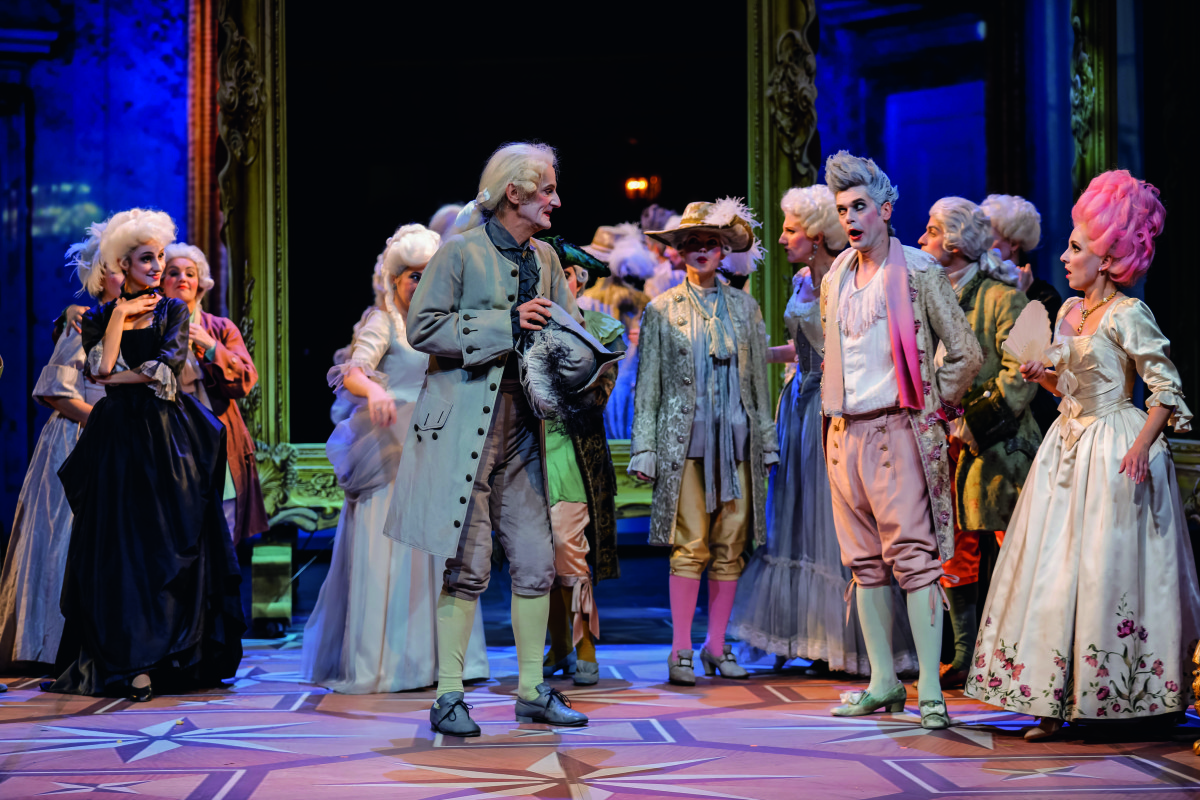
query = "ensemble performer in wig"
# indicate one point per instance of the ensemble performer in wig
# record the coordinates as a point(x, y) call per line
point(582, 495)
point(30, 621)
point(702, 428)
point(151, 586)
point(1094, 608)
point(790, 599)
point(473, 461)
point(883, 308)
point(377, 610)
point(218, 372)
point(996, 438)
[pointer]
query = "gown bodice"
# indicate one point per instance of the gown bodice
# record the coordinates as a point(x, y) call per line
point(803, 321)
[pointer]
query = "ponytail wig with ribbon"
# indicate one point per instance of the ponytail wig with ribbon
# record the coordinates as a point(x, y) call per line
point(523, 164)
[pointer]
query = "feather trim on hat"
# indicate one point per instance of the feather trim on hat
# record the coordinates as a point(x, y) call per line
point(746, 262)
point(630, 257)
point(548, 389)
point(726, 209)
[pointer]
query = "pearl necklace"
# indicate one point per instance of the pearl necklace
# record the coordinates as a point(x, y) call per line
point(1083, 314)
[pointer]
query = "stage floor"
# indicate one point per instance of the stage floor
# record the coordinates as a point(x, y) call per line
point(273, 736)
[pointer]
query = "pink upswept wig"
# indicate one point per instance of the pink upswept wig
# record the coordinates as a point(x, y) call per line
point(1121, 216)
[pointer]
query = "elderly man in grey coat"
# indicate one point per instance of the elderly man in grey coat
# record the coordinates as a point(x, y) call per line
point(473, 460)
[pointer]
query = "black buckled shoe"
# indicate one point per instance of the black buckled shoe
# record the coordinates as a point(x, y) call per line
point(451, 716)
point(550, 708)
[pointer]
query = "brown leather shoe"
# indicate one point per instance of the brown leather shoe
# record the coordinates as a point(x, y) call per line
point(952, 678)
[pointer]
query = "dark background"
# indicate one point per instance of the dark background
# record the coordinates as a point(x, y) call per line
point(389, 120)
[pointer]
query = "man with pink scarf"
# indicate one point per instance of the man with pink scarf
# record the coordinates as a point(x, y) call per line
point(884, 308)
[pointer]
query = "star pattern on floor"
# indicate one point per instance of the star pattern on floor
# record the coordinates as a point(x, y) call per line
point(970, 727)
point(1065, 771)
point(557, 773)
point(162, 737)
point(122, 787)
point(248, 677)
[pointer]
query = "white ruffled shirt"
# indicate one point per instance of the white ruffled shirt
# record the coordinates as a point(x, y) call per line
point(868, 373)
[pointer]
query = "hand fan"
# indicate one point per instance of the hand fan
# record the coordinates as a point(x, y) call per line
point(1030, 335)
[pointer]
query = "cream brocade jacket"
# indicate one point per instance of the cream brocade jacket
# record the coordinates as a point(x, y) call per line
point(937, 317)
point(665, 402)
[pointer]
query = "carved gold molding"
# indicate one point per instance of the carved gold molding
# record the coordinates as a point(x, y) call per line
point(1093, 89)
point(785, 149)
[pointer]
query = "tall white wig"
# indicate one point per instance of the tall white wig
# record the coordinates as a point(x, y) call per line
point(630, 257)
point(1014, 218)
point(127, 230)
point(442, 221)
point(816, 210)
point(194, 254)
point(410, 246)
point(82, 256)
point(844, 171)
point(523, 164)
point(966, 227)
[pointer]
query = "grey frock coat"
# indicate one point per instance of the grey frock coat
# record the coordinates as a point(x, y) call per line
point(461, 315)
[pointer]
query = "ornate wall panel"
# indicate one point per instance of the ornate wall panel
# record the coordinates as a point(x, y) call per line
point(1093, 89)
point(202, 206)
point(785, 148)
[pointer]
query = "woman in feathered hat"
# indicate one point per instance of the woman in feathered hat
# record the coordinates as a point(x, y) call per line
point(703, 430)
point(30, 622)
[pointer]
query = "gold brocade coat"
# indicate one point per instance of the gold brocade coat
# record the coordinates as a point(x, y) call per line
point(665, 401)
point(937, 318)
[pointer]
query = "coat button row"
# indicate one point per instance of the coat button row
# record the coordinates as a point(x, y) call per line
point(457, 524)
point(687, 381)
point(686, 409)
point(472, 348)
point(466, 330)
point(466, 317)
point(682, 352)
point(512, 297)
point(680, 439)
point(462, 500)
point(468, 477)
point(474, 454)
point(434, 434)
point(514, 273)
point(481, 431)
point(492, 387)
point(487, 409)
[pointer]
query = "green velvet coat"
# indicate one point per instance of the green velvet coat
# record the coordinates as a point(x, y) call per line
point(987, 484)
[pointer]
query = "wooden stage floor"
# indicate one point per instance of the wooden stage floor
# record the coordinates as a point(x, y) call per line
point(273, 736)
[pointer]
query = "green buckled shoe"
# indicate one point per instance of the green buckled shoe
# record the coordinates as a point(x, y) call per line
point(858, 704)
point(934, 715)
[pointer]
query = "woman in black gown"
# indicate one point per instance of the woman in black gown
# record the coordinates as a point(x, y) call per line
point(152, 583)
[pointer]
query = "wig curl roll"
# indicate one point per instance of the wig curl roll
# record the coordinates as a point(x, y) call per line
point(204, 280)
point(127, 230)
point(1121, 216)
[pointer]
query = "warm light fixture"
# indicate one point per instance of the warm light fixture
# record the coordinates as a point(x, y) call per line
point(640, 188)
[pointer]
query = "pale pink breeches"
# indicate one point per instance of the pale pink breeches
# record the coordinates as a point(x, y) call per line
point(881, 503)
point(569, 522)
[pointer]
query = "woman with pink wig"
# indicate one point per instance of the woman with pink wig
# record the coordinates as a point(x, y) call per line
point(1094, 607)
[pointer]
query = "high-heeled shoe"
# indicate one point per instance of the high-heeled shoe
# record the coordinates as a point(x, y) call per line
point(858, 704)
point(1046, 727)
point(679, 668)
point(727, 664)
point(141, 694)
point(934, 715)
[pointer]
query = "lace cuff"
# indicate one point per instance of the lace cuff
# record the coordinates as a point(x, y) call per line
point(770, 459)
point(161, 378)
point(337, 373)
point(97, 355)
point(1181, 417)
point(645, 463)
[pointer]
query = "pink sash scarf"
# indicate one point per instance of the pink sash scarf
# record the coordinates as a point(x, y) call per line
point(903, 329)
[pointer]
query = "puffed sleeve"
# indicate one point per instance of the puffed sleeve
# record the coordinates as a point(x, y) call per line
point(370, 345)
point(1134, 328)
point(163, 370)
point(63, 375)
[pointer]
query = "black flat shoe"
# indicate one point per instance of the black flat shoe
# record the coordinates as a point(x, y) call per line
point(141, 694)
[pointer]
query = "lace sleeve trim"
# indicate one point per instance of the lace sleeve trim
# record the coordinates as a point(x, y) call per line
point(161, 378)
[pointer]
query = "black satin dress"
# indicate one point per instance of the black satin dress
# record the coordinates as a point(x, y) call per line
point(152, 581)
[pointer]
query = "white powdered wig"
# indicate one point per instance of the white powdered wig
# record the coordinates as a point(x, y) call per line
point(816, 210)
point(127, 230)
point(523, 164)
point(82, 256)
point(410, 246)
point(1014, 218)
point(966, 228)
point(844, 171)
point(442, 221)
point(193, 253)
point(630, 257)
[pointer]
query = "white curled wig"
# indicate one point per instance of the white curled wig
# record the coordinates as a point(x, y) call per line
point(127, 230)
point(630, 257)
point(82, 257)
point(816, 210)
point(410, 246)
point(1014, 218)
point(845, 171)
point(196, 255)
point(522, 164)
point(966, 228)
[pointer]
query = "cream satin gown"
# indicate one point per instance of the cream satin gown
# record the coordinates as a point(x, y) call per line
point(1094, 609)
